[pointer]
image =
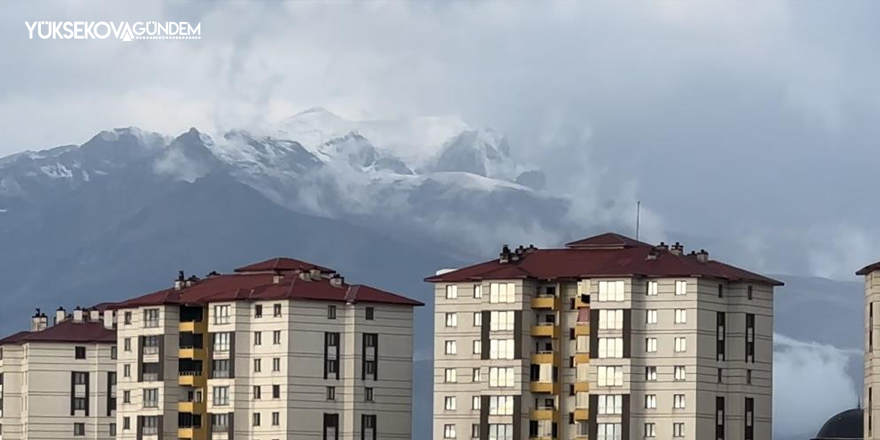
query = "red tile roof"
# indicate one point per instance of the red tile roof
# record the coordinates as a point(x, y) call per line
point(282, 265)
point(257, 282)
point(66, 331)
point(608, 255)
point(868, 269)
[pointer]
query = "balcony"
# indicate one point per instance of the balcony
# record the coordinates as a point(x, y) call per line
point(582, 300)
point(546, 413)
point(580, 414)
point(582, 358)
point(544, 387)
point(191, 407)
point(545, 330)
point(191, 379)
point(191, 353)
point(545, 302)
point(582, 329)
point(544, 357)
point(582, 387)
point(191, 432)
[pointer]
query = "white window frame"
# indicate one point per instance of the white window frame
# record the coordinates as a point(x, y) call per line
point(650, 345)
point(652, 288)
point(650, 401)
point(451, 291)
point(680, 345)
point(680, 372)
point(681, 287)
point(681, 316)
point(611, 291)
point(651, 316)
point(452, 319)
point(451, 348)
point(450, 375)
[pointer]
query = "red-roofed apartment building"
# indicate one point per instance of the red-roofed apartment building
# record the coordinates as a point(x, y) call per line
point(872, 347)
point(280, 349)
point(608, 338)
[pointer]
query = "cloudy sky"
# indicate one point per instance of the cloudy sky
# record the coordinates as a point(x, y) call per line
point(753, 121)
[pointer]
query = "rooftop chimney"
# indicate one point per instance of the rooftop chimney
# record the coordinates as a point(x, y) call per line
point(305, 276)
point(662, 246)
point(677, 249)
point(277, 278)
point(337, 280)
point(60, 314)
point(109, 316)
point(94, 315)
point(504, 256)
point(39, 322)
point(181, 278)
point(653, 254)
point(703, 256)
point(78, 314)
point(531, 249)
point(315, 274)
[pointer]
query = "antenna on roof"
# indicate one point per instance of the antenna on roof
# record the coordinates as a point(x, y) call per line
point(638, 217)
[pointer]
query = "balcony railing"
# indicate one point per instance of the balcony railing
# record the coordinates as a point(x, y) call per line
point(190, 373)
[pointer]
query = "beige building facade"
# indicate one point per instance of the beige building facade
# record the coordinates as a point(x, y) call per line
point(281, 349)
point(871, 389)
point(608, 339)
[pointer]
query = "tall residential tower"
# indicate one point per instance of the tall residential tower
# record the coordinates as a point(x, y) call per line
point(608, 339)
point(872, 354)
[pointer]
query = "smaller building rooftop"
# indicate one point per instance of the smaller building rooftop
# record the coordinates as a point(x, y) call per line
point(847, 425)
point(869, 268)
point(66, 331)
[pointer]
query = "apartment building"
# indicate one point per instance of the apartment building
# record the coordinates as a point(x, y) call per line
point(872, 356)
point(281, 349)
point(608, 338)
point(58, 381)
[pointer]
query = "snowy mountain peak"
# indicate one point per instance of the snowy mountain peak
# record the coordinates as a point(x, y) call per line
point(361, 155)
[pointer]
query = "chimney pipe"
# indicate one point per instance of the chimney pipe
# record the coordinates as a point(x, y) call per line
point(94, 315)
point(703, 256)
point(60, 314)
point(504, 256)
point(78, 314)
point(179, 282)
point(38, 321)
point(109, 318)
point(677, 249)
point(337, 280)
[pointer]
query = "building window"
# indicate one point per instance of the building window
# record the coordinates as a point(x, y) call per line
point(126, 397)
point(720, 336)
point(112, 430)
point(368, 394)
point(501, 348)
point(127, 318)
point(126, 370)
point(258, 365)
point(221, 342)
point(681, 287)
point(112, 353)
point(450, 347)
point(721, 291)
point(610, 348)
point(749, 377)
point(651, 374)
point(150, 425)
point(151, 318)
point(750, 337)
point(126, 344)
point(501, 377)
point(478, 291)
point(501, 405)
point(501, 321)
point(256, 419)
point(678, 430)
point(151, 398)
point(478, 346)
point(276, 310)
point(126, 423)
point(651, 317)
point(478, 319)
point(449, 403)
point(79, 403)
point(678, 401)
point(451, 291)
point(650, 345)
point(221, 396)
point(276, 391)
point(609, 376)
point(610, 404)
point(370, 314)
point(611, 291)
point(680, 373)
point(719, 417)
point(258, 310)
point(650, 430)
point(331, 426)
point(475, 430)
point(331, 393)
point(610, 319)
point(151, 345)
point(450, 375)
point(331, 312)
point(475, 375)
point(609, 431)
point(750, 419)
point(449, 431)
point(475, 403)
point(258, 338)
point(276, 364)
point(720, 375)
point(650, 401)
point(80, 378)
point(221, 314)
point(502, 293)
point(221, 368)
point(652, 288)
point(681, 316)
point(219, 422)
point(79, 429)
point(258, 392)
point(680, 345)
point(750, 292)
point(452, 320)
point(276, 418)
point(276, 337)
point(79, 352)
